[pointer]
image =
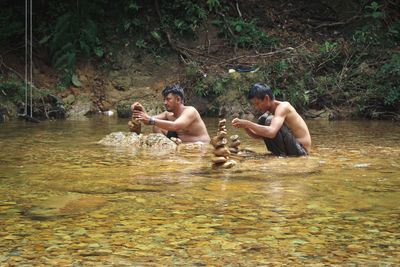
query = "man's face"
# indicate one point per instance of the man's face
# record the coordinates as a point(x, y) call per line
point(170, 102)
point(260, 104)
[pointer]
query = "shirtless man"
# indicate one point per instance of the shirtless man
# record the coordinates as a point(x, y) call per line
point(285, 133)
point(181, 122)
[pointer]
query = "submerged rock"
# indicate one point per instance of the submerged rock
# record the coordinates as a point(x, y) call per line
point(121, 139)
point(157, 141)
point(66, 205)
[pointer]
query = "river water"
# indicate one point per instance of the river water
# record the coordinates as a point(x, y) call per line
point(67, 201)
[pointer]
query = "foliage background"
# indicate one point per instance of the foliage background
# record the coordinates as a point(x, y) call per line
point(342, 56)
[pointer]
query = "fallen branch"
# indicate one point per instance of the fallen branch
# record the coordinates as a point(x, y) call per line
point(339, 23)
point(288, 49)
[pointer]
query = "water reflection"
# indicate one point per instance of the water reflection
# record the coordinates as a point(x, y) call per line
point(67, 201)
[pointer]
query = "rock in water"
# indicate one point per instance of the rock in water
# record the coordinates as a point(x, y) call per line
point(66, 205)
point(121, 139)
point(154, 142)
point(157, 141)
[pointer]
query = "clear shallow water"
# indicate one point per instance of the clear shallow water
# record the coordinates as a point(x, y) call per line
point(66, 200)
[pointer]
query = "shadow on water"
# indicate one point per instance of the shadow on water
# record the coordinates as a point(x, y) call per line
point(65, 200)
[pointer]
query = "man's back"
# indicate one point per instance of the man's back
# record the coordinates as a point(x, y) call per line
point(295, 122)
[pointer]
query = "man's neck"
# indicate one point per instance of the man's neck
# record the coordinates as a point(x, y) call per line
point(273, 106)
point(178, 111)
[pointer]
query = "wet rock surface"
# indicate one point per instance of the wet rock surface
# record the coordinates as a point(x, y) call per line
point(65, 205)
point(121, 139)
point(154, 141)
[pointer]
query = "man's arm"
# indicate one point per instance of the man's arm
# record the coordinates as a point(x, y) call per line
point(140, 114)
point(161, 120)
point(257, 130)
point(252, 134)
point(162, 116)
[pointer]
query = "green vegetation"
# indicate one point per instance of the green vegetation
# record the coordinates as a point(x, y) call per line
point(241, 33)
point(357, 69)
point(12, 90)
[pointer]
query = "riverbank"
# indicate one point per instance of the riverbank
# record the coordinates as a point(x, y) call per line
point(335, 70)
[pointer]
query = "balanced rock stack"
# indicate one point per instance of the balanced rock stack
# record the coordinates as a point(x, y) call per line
point(235, 143)
point(221, 151)
point(135, 125)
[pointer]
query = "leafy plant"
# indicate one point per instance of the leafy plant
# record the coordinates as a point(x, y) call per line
point(328, 47)
point(141, 44)
point(390, 75)
point(279, 67)
point(242, 33)
point(394, 31)
point(182, 16)
point(12, 90)
point(375, 31)
point(124, 109)
point(213, 5)
point(297, 95)
point(74, 35)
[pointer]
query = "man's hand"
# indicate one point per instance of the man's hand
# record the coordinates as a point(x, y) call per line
point(141, 116)
point(238, 123)
point(137, 106)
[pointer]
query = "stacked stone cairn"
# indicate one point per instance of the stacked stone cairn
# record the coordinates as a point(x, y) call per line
point(234, 145)
point(221, 150)
point(134, 125)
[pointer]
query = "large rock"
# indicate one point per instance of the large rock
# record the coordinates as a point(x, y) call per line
point(153, 142)
point(79, 109)
point(124, 139)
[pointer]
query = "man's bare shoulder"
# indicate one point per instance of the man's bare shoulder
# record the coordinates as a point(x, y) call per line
point(191, 110)
point(283, 107)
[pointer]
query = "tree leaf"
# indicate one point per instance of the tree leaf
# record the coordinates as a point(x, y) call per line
point(99, 51)
point(75, 81)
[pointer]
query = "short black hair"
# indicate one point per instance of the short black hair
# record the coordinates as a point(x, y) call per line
point(260, 90)
point(175, 89)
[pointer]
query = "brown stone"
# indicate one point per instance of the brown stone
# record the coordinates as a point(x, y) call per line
point(217, 142)
point(217, 160)
point(222, 152)
point(234, 137)
point(221, 123)
point(235, 143)
point(229, 164)
point(233, 150)
point(222, 134)
point(217, 165)
point(135, 126)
